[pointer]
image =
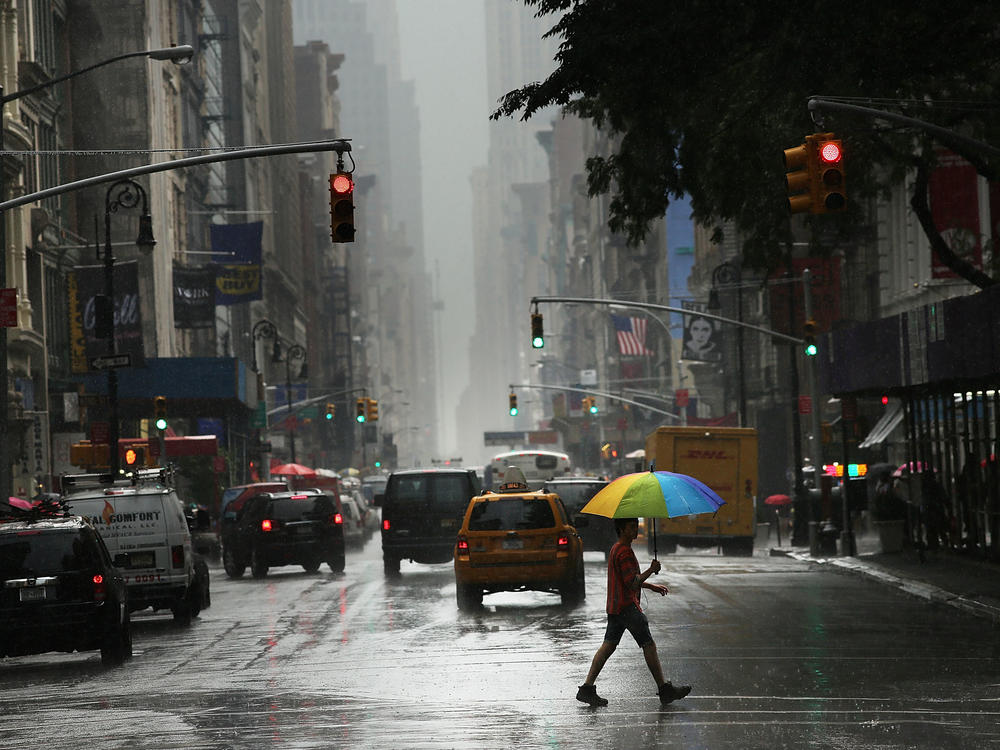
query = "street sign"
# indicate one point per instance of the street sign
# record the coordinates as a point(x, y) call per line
point(259, 417)
point(8, 308)
point(111, 362)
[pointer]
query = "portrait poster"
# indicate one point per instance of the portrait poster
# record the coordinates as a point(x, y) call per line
point(702, 337)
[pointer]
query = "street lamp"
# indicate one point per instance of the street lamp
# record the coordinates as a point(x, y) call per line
point(179, 54)
point(729, 273)
point(262, 329)
point(123, 194)
point(292, 352)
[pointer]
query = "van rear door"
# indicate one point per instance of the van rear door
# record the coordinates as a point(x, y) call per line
point(131, 524)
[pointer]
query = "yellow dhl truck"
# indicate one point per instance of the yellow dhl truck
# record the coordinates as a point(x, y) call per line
point(724, 458)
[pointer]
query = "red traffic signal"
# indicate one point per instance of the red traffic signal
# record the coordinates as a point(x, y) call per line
point(341, 207)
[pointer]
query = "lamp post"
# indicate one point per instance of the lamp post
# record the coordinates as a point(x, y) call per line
point(729, 273)
point(178, 54)
point(293, 352)
point(123, 194)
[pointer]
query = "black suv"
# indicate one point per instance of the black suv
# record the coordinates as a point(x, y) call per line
point(597, 532)
point(302, 527)
point(60, 590)
point(422, 512)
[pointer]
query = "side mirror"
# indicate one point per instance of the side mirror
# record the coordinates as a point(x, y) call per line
point(379, 499)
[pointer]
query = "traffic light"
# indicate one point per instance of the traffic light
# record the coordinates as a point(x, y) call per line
point(814, 175)
point(372, 409)
point(359, 410)
point(378, 463)
point(809, 334)
point(341, 207)
point(832, 195)
point(593, 405)
point(537, 331)
point(512, 398)
point(331, 410)
point(799, 178)
point(589, 404)
point(135, 457)
point(160, 412)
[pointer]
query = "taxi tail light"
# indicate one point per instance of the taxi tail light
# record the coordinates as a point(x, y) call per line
point(177, 555)
point(563, 541)
point(100, 593)
point(266, 525)
point(463, 545)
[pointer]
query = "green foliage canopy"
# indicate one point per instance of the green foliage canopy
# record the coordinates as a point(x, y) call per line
point(700, 97)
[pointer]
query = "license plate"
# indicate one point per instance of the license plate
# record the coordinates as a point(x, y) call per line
point(33, 594)
point(513, 544)
point(142, 560)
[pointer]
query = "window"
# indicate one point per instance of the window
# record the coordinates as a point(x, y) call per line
point(511, 514)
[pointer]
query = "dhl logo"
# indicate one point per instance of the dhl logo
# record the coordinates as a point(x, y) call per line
point(706, 455)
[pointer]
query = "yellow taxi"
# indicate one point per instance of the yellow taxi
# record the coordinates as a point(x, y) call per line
point(516, 539)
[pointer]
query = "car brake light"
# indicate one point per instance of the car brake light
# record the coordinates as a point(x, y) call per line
point(563, 541)
point(299, 497)
point(463, 544)
point(338, 518)
point(265, 525)
point(385, 524)
point(177, 555)
point(99, 591)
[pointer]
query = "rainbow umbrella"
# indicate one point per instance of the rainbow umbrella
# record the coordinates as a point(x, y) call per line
point(654, 494)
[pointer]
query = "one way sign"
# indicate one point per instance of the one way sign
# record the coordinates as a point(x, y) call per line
point(111, 362)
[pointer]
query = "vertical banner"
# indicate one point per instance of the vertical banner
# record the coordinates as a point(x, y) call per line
point(236, 251)
point(194, 297)
point(702, 336)
point(87, 282)
point(953, 193)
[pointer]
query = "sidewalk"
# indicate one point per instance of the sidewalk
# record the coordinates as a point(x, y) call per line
point(944, 577)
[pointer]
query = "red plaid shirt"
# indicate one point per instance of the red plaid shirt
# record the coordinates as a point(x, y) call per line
point(623, 567)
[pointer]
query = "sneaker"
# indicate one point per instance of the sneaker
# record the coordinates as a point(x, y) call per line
point(588, 694)
point(669, 693)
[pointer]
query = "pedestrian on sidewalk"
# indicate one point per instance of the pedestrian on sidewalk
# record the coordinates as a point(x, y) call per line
point(625, 582)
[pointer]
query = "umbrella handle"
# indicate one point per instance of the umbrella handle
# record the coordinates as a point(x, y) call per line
point(654, 538)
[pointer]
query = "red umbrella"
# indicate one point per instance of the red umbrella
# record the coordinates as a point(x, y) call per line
point(777, 500)
point(293, 470)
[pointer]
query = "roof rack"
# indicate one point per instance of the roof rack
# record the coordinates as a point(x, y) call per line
point(76, 482)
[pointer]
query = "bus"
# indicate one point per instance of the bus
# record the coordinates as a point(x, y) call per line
point(538, 466)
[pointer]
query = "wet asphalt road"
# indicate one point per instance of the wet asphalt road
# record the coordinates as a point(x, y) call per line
point(781, 654)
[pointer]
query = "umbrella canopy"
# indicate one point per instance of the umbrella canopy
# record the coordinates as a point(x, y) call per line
point(292, 470)
point(17, 502)
point(653, 494)
point(777, 500)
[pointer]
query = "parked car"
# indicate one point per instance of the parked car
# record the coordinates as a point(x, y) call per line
point(354, 522)
point(141, 520)
point(597, 532)
point(517, 540)
point(421, 513)
point(60, 591)
point(273, 529)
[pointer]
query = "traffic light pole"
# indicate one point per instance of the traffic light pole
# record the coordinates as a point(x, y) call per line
point(602, 394)
point(816, 450)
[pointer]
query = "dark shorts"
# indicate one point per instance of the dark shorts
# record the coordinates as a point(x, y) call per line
point(634, 621)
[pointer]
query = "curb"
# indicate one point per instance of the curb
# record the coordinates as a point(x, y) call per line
point(915, 588)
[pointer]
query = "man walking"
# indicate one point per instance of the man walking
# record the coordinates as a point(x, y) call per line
point(625, 581)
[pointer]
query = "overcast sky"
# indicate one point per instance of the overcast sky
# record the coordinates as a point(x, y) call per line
point(443, 52)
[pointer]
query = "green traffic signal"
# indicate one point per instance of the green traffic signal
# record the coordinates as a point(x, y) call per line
point(161, 424)
point(810, 348)
point(537, 331)
point(512, 409)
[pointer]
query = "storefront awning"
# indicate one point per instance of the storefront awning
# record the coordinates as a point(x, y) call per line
point(886, 424)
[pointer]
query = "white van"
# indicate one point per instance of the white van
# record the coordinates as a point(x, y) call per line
point(142, 522)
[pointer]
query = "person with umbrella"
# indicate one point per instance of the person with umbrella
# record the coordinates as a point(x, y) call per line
point(652, 494)
point(625, 581)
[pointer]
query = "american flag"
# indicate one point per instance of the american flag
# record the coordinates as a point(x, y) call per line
point(631, 335)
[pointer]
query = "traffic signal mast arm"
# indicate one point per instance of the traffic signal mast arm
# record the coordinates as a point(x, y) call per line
point(667, 308)
point(589, 391)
